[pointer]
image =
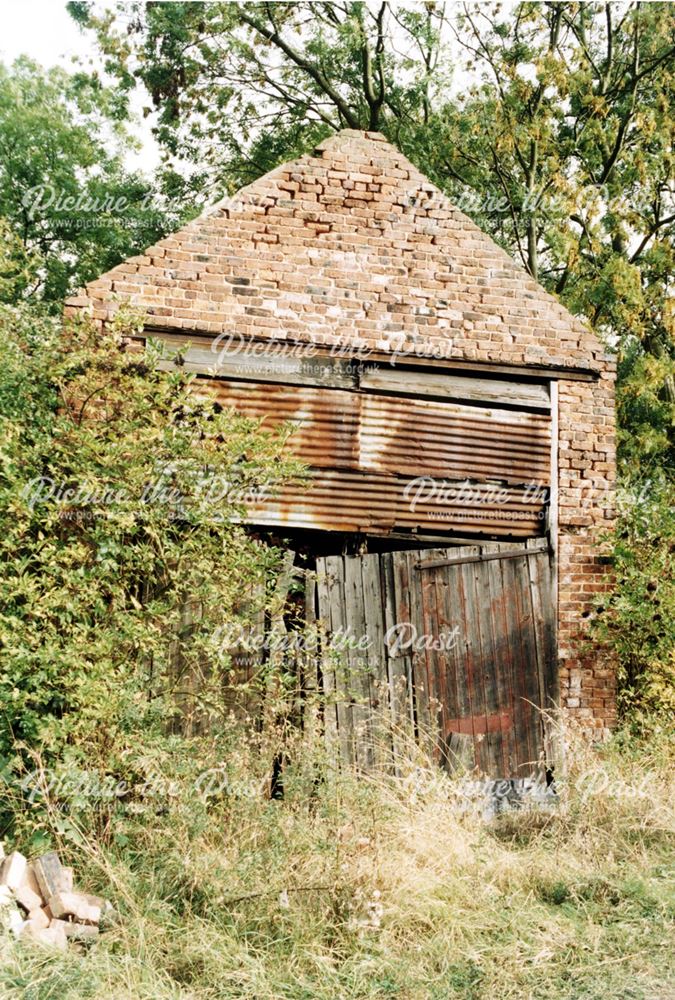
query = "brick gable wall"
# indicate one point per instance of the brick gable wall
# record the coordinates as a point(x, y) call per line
point(353, 246)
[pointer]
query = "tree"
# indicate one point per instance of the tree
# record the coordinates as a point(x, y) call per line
point(241, 87)
point(70, 209)
point(18, 266)
point(570, 130)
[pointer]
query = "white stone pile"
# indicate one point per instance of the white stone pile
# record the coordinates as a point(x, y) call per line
point(38, 902)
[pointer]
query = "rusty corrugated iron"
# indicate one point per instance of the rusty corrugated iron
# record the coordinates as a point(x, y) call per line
point(365, 449)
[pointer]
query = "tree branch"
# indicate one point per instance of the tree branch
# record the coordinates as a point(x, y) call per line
point(273, 36)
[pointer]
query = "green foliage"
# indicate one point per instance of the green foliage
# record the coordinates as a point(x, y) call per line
point(569, 131)
point(646, 412)
point(121, 496)
point(70, 208)
point(242, 87)
point(18, 266)
point(637, 620)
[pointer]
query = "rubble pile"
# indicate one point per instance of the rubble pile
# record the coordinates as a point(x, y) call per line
point(38, 902)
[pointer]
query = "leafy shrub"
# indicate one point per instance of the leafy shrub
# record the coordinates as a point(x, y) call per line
point(122, 494)
point(645, 403)
point(637, 620)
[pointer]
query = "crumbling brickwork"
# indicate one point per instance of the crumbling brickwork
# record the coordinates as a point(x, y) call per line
point(354, 246)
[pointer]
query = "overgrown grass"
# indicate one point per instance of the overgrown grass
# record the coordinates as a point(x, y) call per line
point(378, 888)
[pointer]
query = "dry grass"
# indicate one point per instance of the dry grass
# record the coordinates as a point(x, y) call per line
point(381, 888)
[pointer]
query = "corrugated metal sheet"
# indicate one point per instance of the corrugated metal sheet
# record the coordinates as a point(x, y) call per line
point(366, 448)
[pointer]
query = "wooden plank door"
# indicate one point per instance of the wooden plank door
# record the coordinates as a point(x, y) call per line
point(461, 640)
point(492, 681)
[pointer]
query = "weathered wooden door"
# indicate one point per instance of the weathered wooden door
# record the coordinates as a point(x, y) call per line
point(460, 642)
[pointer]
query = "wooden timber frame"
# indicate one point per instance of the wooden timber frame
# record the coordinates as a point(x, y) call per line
point(477, 681)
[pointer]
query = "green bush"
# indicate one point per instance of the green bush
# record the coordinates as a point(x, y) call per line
point(637, 620)
point(121, 497)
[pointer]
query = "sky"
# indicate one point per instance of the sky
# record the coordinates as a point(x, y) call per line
point(45, 31)
point(42, 30)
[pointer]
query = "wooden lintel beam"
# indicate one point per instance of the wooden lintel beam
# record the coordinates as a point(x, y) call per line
point(541, 546)
point(572, 373)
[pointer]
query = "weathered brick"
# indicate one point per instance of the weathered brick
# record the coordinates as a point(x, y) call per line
point(13, 870)
point(83, 907)
point(51, 876)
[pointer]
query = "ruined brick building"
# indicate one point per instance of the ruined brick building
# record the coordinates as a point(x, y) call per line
point(450, 408)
